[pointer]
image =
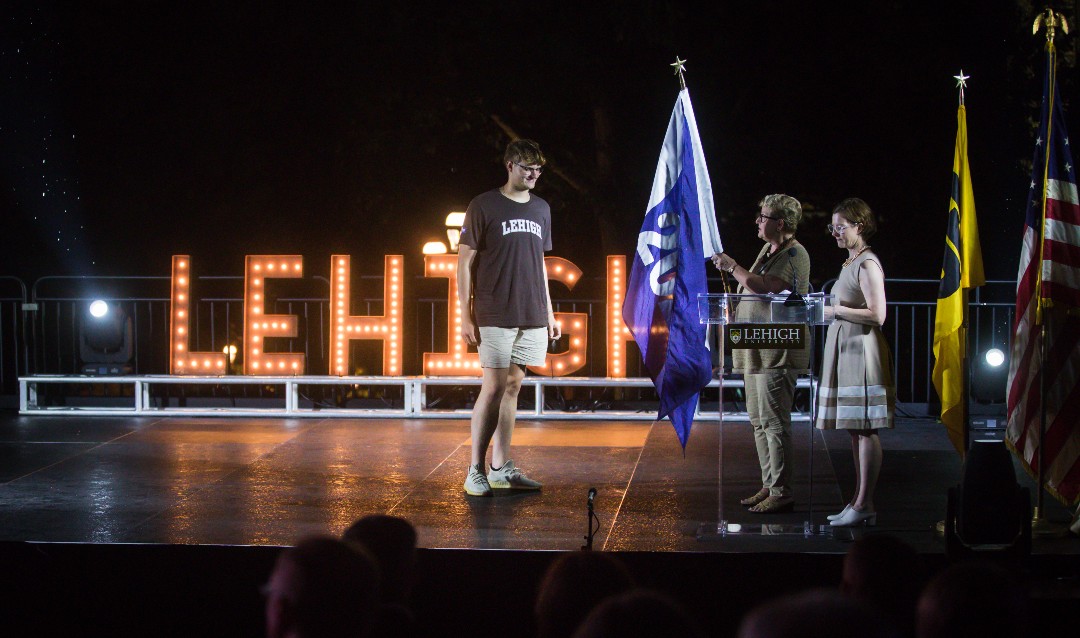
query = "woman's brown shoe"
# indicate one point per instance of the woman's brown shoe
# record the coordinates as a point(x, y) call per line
point(760, 496)
point(774, 504)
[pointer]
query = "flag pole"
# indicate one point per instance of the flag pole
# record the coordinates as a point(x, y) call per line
point(965, 362)
point(1039, 525)
point(721, 522)
point(965, 369)
point(965, 374)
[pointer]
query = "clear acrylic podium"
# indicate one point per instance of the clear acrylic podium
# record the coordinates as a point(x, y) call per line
point(778, 322)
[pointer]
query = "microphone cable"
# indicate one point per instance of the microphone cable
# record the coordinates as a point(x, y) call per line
point(592, 519)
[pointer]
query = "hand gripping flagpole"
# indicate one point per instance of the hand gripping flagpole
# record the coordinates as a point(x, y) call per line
point(1051, 20)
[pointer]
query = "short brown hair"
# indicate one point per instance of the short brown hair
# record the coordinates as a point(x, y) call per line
point(788, 207)
point(524, 152)
point(857, 211)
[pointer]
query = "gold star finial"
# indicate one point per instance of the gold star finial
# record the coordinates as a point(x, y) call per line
point(680, 68)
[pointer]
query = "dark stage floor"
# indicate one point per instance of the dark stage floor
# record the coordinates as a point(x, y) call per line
point(113, 526)
point(266, 481)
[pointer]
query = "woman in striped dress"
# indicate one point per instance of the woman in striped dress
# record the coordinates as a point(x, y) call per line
point(856, 391)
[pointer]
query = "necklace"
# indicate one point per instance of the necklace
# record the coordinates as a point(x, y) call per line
point(769, 253)
point(763, 261)
point(854, 257)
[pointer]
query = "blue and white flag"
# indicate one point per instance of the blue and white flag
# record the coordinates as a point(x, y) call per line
point(678, 235)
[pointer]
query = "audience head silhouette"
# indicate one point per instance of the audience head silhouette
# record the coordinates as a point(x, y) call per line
point(322, 588)
point(973, 599)
point(572, 586)
point(817, 613)
point(639, 613)
point(392, 542)
point(887, 572)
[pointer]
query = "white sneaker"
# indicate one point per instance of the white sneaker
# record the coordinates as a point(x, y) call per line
point(510, 477)
point(476, 484)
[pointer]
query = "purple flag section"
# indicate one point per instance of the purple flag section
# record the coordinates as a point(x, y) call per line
point(668, 273)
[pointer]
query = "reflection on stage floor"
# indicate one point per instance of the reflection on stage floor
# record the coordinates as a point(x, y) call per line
point(268, 481)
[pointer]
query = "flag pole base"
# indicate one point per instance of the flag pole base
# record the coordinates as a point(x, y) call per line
point(725, 529)
point(1042, 528)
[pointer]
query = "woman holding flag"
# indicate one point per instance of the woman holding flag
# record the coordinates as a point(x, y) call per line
point(856, 391)
point(769, 374)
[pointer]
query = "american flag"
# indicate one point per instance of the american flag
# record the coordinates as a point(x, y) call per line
point(1048, 294)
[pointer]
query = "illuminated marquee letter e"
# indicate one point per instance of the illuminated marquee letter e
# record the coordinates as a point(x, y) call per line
point(258, 325)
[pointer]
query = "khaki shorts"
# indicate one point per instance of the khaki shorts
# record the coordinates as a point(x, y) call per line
point(499, 347)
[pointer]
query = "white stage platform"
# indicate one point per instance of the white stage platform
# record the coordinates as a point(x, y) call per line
point(414, 390)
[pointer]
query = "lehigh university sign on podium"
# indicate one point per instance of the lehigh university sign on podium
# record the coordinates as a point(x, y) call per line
point(773, 322)
point(787, 336)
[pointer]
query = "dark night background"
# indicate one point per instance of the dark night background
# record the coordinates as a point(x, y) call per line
point(135, 130)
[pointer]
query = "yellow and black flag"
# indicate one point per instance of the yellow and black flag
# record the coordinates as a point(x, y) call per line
point(962, 269)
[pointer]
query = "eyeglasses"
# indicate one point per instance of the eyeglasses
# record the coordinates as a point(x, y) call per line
point(530, 169)
point(763, 216)
point(839, 230)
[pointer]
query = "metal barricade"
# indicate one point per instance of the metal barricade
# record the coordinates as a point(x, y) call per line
point(44, 339)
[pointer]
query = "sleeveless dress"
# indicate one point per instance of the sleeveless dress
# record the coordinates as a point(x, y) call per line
point(856, 390)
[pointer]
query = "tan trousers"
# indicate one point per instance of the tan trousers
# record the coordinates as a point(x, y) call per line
point(769, 397)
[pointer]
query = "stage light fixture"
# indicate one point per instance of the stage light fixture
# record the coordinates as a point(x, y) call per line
point(453, 229)
point(988, 512)
point(989, 378)
point(434, 248)
point(106, 340)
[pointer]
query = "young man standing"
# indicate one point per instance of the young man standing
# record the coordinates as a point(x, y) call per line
point(505, 308)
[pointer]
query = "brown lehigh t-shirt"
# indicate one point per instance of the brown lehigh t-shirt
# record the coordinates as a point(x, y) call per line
point(510, 239)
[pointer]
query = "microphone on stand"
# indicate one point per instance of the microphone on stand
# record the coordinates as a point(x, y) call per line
point(590, 516)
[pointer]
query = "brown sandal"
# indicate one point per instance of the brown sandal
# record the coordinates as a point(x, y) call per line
point(760, 496)
point(774, 504)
